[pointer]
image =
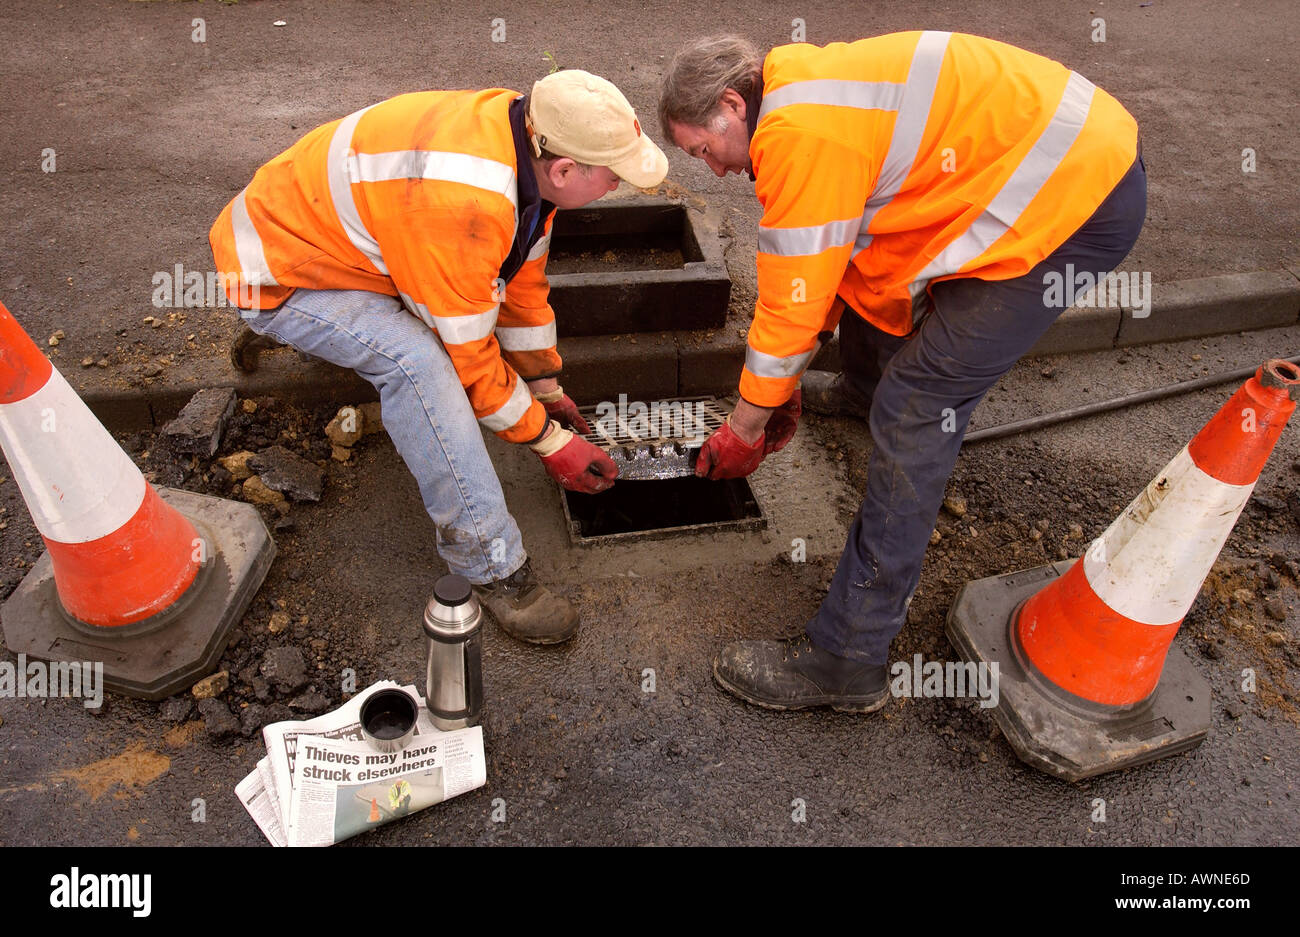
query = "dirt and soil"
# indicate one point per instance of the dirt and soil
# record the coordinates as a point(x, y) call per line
point(577, 748)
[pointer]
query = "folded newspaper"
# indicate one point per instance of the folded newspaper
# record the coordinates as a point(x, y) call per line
point(321, 782)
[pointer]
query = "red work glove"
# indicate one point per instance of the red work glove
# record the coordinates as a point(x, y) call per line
point(782, 423)
point(560, 407)
point(575, 463)
point(726, 455)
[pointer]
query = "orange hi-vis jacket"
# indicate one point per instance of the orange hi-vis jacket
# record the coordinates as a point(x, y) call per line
point(887, 164)
point(415, 197)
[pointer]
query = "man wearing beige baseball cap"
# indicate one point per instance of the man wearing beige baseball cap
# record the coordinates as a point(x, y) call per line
point(408, 241)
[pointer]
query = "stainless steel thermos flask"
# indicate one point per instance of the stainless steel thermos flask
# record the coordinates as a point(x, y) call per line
point(453, 686)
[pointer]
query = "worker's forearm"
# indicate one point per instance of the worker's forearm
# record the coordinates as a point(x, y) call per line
point(748, 420)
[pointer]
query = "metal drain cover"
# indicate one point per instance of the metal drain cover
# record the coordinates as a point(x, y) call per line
point(655, 440)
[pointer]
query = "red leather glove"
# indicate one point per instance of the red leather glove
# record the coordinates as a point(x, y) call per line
point(575, 463)
point(560, 407)
point(726, 455)
point(782, 423)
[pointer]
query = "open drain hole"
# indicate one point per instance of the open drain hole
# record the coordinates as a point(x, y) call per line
point(673, 507)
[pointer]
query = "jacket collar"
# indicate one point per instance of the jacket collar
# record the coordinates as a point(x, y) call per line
point(533, 210)
point(753, 104)
point(528, 194)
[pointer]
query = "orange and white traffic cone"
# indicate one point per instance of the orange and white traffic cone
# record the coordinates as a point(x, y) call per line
point(122, 561)
point(1089, 679)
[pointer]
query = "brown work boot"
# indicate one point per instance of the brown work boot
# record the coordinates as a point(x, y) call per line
point(526, 609)
point(246, 348)
point(827, 393)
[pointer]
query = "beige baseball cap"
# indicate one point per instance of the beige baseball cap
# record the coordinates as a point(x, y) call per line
point(584, 117)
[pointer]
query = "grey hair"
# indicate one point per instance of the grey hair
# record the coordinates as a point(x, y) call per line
point(699, 75)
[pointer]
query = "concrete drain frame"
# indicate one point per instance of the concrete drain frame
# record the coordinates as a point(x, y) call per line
point(644, 265)
point(657, 496)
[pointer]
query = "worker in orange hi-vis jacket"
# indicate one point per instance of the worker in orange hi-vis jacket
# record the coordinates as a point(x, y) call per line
point(929, 193)
point(408, 241)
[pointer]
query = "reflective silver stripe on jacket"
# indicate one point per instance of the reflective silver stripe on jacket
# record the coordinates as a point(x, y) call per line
point(341, 172)
point(456, 330)
point(911, 100)
point(420, 309)
point(541, 247)
point(905, 143)
point(510, 412)
point(913, 106)
point(804, 242)
point(526, 338)
point(867, 95)
point(1027, 181)
point(761, 364)
point(253, 268)
point(441, 166)
point(344, 167)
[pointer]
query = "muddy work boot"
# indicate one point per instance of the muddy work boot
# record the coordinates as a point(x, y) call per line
point(829, 394)
point(526, 609)
point(796, 674)
point(248, 346)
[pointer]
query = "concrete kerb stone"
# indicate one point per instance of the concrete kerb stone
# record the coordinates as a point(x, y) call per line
point(1183, 309)
point(667, 364)
point(600, 367)
point(1236, 302)
point(709, 364)
point(281, 374)
point(1079, 329)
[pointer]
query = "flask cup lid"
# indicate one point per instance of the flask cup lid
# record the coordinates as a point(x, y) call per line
point(388, 719)
point(452, 590)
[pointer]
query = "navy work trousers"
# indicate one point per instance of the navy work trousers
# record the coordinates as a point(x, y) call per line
point(921, 391)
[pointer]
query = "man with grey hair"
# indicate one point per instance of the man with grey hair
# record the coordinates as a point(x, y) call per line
point(919, 190)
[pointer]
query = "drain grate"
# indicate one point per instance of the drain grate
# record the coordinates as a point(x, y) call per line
point(656, 440)
point(655, 446)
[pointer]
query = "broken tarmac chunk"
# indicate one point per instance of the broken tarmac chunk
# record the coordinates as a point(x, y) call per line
point(217, 718)
point(176, 708)
point(199, 427)
point(283, 471)
point(286, 668)
point(252, 719)
point(310, 703)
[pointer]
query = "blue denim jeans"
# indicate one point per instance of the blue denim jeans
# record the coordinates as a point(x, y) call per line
point(921, 391)
point(425, 411)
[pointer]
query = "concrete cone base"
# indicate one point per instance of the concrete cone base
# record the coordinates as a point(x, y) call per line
point(167, 652)
point(1057, 732)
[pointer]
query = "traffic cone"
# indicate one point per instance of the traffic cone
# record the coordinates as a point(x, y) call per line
point(148, 583)
point(1089, 680)
point(374, 811)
